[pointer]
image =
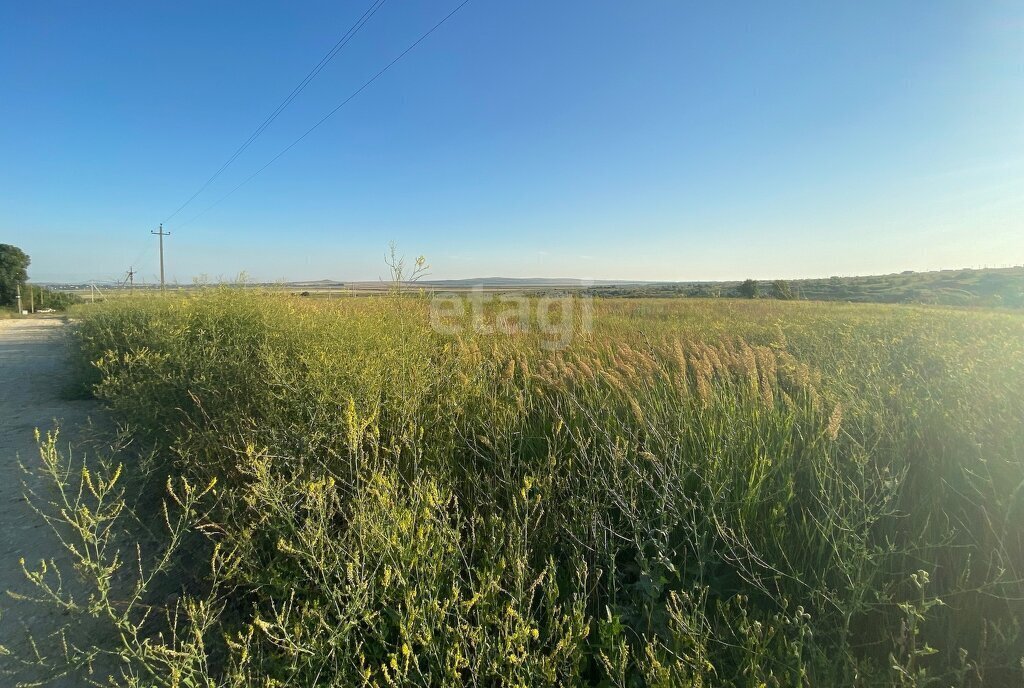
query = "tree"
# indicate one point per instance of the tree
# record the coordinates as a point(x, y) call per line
point(13, 272)
point(782, 290)
point(749, 289)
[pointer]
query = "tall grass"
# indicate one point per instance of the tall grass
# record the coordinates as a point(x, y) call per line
point(693, 493)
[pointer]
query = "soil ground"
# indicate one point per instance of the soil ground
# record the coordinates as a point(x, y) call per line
point(34, 378)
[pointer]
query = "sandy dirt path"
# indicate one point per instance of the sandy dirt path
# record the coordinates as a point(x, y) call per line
point(33, 378)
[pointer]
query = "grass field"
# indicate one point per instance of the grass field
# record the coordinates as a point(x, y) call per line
point(687, 493)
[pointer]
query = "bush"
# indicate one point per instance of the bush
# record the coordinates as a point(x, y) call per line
point(43, 297)
point(782, 291)
point(749, 289)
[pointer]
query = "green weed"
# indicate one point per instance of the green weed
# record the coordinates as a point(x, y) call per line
point(693, 493)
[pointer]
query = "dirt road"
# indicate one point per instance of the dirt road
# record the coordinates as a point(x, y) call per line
point(33, 379)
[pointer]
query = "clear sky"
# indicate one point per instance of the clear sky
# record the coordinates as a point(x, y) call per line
point(651, 139)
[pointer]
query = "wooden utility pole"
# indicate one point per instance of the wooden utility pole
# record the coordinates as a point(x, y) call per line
point(161, 234)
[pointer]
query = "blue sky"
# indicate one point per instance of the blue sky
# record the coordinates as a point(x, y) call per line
point(654, 139)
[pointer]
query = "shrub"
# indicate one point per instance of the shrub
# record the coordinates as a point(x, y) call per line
point(749, 289)
point(782, 290)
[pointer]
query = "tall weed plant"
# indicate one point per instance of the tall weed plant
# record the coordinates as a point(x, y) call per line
point(690, 494)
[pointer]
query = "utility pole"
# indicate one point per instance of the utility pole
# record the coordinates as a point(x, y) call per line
point(19, 299)
point(31, 299)
point(129, 279)
point(161, 234)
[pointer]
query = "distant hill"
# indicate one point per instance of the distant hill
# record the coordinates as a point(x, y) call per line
point(993, 287)
point(487, 283)
point(990, 287)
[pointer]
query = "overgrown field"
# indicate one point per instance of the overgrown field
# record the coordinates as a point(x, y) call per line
point(693, 493)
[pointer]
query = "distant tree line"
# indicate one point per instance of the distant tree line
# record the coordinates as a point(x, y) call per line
point(994, 288)
point(14, 277)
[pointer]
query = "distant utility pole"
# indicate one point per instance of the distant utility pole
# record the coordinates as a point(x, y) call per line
point(161, 234)
point(129, 279)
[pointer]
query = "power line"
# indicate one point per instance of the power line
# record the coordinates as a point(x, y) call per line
point(144, 252)
point(342, 42)
point(329, 114)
